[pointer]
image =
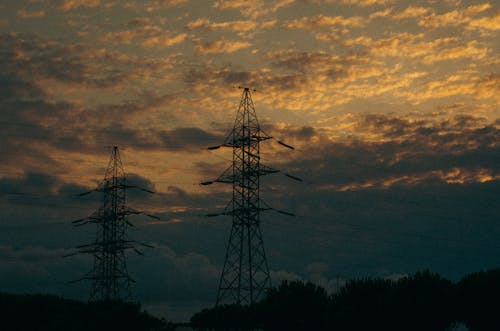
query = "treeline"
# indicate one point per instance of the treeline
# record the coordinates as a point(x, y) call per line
point(423, 301)
point(48, 312)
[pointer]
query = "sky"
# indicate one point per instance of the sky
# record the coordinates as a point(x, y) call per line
point(392, 106)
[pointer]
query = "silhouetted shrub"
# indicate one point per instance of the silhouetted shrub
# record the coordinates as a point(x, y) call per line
point(47, 312)
point(226, 317)
point(423, 301)
point(479, 295)
point(293, 306)
point(361, 305)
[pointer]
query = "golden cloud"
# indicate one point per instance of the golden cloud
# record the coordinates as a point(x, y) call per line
point(321, 21)
point(221, 46)
point(471, 50)
point(360, 3)
point(67, 5)
point(163, 41)
point(381, 13)
point(23, 13)
point(412, 12)
point(206, 24)
point(463, 83)
point(487, 23)
point(453, 18)
point(253, 9)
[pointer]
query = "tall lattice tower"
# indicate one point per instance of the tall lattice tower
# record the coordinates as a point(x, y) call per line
point(109, 276)
point(245, 274)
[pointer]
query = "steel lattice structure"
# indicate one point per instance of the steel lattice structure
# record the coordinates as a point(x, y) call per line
point(109, 275)
point(245, 274)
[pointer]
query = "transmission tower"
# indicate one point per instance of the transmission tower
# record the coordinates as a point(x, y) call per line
point(109, 276)
point(245, 274)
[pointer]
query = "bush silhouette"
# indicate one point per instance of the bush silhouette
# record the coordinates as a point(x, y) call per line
point(423, 301)
point(47, 312)
point(294, 306)
point(361, 305)
point(479, 295)
point(226, 317)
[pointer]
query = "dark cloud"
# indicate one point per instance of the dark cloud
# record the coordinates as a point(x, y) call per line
point(303, 133)
point(14, 88)
point(178, 139)
point(30, 182)
point(410, 150)
point(299, 67)
point(39, 269)
point(188, 139)
point(235, 77)
point(28, 55)
point(304, 61)
point(29, 114)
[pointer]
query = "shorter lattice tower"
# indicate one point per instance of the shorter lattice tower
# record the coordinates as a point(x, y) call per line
point(109, 276)
point(245, 274)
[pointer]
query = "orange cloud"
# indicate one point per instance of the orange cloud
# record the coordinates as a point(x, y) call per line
point(150, 6)
point(332, 35)
point(23, 13)
point(360, 3)
point(67, 5)
point(381, 13)
point(453, 18)
point(486, 23)
point(453, 176)
point(163, 41)
point(366, 3)
point(206, 24)
point(148, 36)
point(412, 12)
point(321, 21)
point(222, 46)
point(254, 8)
point(400, 45)
point(489, 88)
point(463, 83)
point(171, 3)
point(471, 50)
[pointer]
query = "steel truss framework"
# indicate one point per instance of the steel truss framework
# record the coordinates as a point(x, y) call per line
point(245, 274)
point(109, 275)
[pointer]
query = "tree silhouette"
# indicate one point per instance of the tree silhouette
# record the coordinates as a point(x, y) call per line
point(47, 312)
point(420, 302)
point(423, 301)
point(479, 295)
point(225, 317)
point(361, 305)
point(294, 306)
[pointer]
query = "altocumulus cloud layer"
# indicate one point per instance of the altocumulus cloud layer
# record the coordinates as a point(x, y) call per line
point(392, 107)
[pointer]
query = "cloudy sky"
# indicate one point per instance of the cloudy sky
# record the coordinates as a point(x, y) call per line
point(392, 105)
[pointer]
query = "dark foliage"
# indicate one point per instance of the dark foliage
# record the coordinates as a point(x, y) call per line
point(227, 317)
point(479, 300)
point(361, 305)
point(47, 312)
point(293, 306)
point(424, 301)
